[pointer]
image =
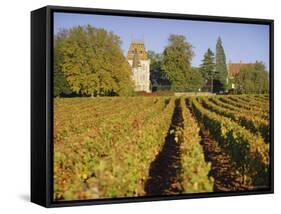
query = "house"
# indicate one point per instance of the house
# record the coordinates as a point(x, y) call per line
point(235, 68)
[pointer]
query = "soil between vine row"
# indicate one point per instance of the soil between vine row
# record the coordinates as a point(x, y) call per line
point(223, 170)
point(164, 173)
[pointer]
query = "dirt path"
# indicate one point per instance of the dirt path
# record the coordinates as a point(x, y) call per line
point(223, 170)
point(164, 171)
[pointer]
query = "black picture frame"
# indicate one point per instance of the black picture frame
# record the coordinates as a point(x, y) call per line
point(42, 102)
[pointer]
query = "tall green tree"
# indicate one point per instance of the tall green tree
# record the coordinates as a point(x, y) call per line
point(207, 68)
point(157, 76)
point(195, 80)
point(61, 86)
point(176, 63)
point(93, 62)
point(252, 79)
point(221, 69)
point(155, 60)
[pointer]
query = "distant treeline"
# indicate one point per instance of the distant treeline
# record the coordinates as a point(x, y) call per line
point(172, 70)
point(89, 61)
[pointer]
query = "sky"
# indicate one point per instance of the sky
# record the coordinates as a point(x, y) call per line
point(241, 42)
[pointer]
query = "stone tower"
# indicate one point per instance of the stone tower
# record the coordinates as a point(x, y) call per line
point(138, 59)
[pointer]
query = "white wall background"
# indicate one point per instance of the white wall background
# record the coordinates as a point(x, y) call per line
point(15, 105)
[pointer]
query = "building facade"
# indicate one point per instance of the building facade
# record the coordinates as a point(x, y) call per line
point(138, 59)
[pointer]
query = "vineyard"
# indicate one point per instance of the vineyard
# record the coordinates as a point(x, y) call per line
point(109, 147)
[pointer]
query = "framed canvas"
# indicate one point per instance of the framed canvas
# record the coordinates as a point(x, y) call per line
point(131, 106)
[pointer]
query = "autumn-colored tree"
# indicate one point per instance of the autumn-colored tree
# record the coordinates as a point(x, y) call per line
point(93, 62)
point(61, 86)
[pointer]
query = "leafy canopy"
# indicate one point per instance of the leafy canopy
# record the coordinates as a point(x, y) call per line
point(252, 79)
point(93, 62)
point(61, 86)
point(157, 76)
point(176, 65)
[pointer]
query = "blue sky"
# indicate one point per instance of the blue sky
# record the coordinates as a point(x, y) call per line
point(245, 42)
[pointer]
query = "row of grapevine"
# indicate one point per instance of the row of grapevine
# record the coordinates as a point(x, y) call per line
point(104, 147)
point(194, 168)
point(75, 154)
point(247, 150)
point(256, 100)
point(249, 104)
point(74, 116)
point(114, 160)
point(260, 97)
point(254, 112)
point(255, 124)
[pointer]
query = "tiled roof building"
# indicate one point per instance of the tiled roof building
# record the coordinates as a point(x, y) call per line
point(234, 68)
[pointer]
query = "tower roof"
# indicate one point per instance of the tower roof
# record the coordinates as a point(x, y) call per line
point(137, 48)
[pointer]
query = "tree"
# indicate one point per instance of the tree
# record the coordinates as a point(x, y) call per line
point(221, 69)
point(252, 79)
point(93, 62)
point(207, 68)
point(195, 80)
point(157, 76)
point(61, 86)
point(155, 60)
point(176, 63)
